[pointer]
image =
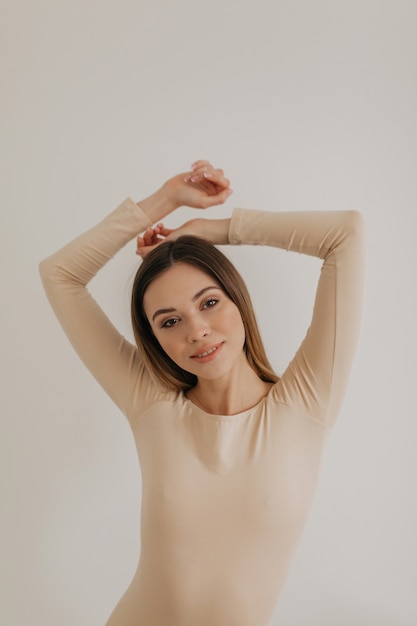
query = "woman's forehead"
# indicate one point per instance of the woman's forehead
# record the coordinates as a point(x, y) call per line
point(179, 282)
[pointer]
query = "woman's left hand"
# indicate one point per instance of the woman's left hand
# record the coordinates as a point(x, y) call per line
point(152, 237)
point(215, 231)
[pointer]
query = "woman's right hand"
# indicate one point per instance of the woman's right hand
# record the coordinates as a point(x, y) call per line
point(202, 187)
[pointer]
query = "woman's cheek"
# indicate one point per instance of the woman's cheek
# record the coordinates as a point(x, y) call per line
point(233, 321)
point(170, 347)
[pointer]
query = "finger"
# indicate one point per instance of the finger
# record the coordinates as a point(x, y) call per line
point(211, 182)
point(188, 176)
point(160, 229)
point(165, 231)
point(144, 251)
point(209, 187)
point(152, 237)
point(198, 170)
point(148, 236)
point(219, 198)
point(210, 173)
point(200, 163)
point(198, 174)
point(140, 245)
point(159, 238)
point(217, 177)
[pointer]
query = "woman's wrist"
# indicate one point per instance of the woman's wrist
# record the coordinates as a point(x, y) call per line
point(158, 205)
point(215, 231)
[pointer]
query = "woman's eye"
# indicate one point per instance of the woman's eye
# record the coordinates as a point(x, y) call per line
point(210, 303)
point(170, 322)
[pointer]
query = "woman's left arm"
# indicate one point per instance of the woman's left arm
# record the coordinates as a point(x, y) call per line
point(317, 376)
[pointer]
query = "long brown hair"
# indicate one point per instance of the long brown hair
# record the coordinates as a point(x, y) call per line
point(205, 256)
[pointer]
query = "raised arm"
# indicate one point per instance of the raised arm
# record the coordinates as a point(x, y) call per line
point(112, 360)
point(317, 377)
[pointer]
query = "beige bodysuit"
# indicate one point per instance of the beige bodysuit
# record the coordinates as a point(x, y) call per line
point(225, 498)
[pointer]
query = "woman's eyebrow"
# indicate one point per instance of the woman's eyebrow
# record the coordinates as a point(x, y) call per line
point(194, 298)
point(200, 293)
point(161, 312)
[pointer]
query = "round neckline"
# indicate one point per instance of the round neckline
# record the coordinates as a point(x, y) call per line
point(219, 416)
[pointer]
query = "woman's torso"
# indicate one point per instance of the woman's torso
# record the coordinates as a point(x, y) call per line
point(224, 500)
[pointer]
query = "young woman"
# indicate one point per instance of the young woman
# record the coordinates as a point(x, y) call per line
point(229, 452)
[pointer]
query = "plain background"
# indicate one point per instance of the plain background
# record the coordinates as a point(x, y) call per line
point(306, 105)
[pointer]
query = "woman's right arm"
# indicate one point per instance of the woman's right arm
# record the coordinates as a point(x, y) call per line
point(112, 360)
point(65, 275)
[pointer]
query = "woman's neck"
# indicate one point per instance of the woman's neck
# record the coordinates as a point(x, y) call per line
point(240, 391)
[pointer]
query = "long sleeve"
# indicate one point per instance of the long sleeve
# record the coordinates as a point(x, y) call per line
point(112, 360)
point(317, 377)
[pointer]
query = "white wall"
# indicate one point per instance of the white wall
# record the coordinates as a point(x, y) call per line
point(307, 105)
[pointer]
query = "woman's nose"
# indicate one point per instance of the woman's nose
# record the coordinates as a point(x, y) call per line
point(197, 329)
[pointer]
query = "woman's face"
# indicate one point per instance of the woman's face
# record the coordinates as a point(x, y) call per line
point(196, 324)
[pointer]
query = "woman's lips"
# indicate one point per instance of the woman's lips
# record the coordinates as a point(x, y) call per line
point(207, 353)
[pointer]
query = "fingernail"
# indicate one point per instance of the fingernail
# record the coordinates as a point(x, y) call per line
point(208, 174)
point(229, 191)
point(194, 179)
